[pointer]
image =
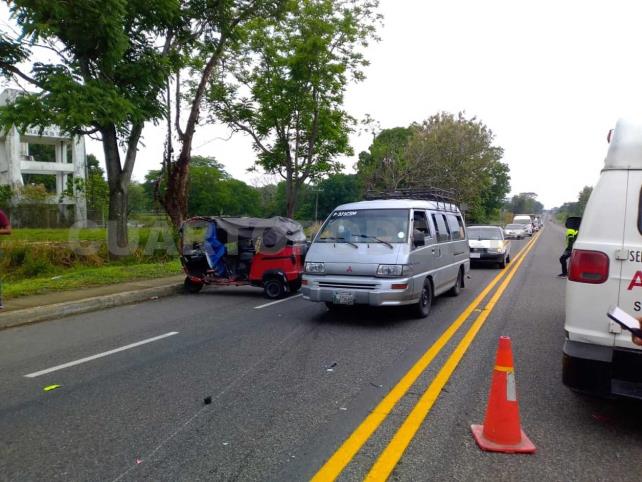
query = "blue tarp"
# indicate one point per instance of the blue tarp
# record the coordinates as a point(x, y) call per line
point(215, 251)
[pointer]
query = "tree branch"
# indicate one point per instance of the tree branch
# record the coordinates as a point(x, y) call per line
point(256, 138)
point(19, 73)
point(132, 149)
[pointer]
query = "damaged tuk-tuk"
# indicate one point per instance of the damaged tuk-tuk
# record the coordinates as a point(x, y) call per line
point(241, 251)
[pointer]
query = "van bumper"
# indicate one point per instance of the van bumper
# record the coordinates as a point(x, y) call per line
point(602, 370)
point(365, 290)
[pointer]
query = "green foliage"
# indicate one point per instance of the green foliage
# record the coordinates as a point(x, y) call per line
point(108, 72)
point(6, 195)
point(296, 70)
point(96, 188)
point(106, 65)
point(575, 208)
point(211, 190)
point(583, 198)
point(137, 200)
point(386, 165)
point(525, 203)
point(446, 151)
point(80, 277)
point(335, 190)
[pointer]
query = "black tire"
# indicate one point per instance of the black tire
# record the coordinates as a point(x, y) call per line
point(192, 287)
point(502, 264)
point(508, 259)
point(459, 284)
point(274, 288)
point(422, 308)
point(295, 286)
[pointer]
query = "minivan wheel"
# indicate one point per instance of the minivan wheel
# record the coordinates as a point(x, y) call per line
point(422, 308)
point(502, 263)
point(456, 290)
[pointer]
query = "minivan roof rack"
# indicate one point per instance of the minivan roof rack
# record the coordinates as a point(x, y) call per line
point(444, 197)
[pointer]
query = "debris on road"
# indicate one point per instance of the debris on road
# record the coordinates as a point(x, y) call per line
point(375, 385)
point(207, 400)
point(330, 368)
point(50, 388)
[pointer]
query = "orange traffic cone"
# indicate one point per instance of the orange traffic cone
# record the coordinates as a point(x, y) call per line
point(501, 431)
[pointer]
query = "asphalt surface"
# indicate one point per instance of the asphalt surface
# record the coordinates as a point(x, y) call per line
point(290, 382)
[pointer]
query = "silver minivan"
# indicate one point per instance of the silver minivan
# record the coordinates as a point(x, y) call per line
point(388, 252)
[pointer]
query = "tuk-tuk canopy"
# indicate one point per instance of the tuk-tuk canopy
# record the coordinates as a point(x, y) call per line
point(277, 228)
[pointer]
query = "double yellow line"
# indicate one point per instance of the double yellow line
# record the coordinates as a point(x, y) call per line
point(389, 458)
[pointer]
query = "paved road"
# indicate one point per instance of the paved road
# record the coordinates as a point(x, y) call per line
point(290, 382)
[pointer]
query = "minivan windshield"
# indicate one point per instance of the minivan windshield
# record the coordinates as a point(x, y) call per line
point(514, 226)
point(494, 234)
point(354, 226)
point(522, 221)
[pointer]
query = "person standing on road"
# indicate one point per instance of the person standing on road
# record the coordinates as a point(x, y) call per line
point(5, 229)
point(571, 236)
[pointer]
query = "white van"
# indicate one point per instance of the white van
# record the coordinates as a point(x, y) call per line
point(526, 221)
point(606, 270)
point(388, 252)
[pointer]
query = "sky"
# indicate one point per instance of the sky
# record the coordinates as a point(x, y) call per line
point(549, 78)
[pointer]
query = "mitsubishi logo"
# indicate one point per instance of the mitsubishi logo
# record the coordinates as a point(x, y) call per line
point(349, 270)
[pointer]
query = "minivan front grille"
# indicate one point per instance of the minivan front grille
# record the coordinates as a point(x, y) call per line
point(349, 286)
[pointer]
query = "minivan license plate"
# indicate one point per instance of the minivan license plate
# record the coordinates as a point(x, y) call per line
point(343, 299)
point(475, 255)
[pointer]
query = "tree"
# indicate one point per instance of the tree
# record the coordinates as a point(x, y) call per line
point(386, 166)
point(110, 61)
point(525, 203)
point(96, 189)
point(288, 87)
point(583, 198)
point(211, 190)
point(328, 194)
point(214, 28)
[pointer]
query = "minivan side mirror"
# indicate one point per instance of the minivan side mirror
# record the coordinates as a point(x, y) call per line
point(418, 238)
point(573, 222)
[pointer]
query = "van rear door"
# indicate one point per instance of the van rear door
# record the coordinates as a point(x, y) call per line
point(630, 258)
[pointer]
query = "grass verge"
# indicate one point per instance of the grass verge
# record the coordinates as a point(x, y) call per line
point(86, 277)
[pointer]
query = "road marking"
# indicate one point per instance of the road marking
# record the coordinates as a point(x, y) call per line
point(277, 301)
point(99, 355)
point(387, 461)
point(344, 454)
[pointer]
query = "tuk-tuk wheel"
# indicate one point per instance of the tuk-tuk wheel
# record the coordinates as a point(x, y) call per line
point(274, 288)
point(192, 287)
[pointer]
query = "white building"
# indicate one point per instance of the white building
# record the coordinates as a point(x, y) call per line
point(67, 158)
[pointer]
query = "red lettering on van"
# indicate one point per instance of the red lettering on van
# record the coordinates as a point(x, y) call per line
point(636, 281)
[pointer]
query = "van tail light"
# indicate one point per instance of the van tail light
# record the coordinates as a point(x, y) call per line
point(588, 267)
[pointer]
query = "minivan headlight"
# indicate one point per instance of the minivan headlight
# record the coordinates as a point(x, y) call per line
point(390, 270)
point(314, 267)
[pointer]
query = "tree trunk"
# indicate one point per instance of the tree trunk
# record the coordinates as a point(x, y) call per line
point(118, 179)
point(117, 235)
point(175, 197)
point(291, 195)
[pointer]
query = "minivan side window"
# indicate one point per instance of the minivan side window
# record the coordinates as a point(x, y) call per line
point(456, 230)
point(420, 223)
point(440, 225)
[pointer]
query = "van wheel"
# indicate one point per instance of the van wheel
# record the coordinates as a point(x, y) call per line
point(502, 264)
point(455, 290)
point(274, 289)
point(422, 308)
point(192, 287)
